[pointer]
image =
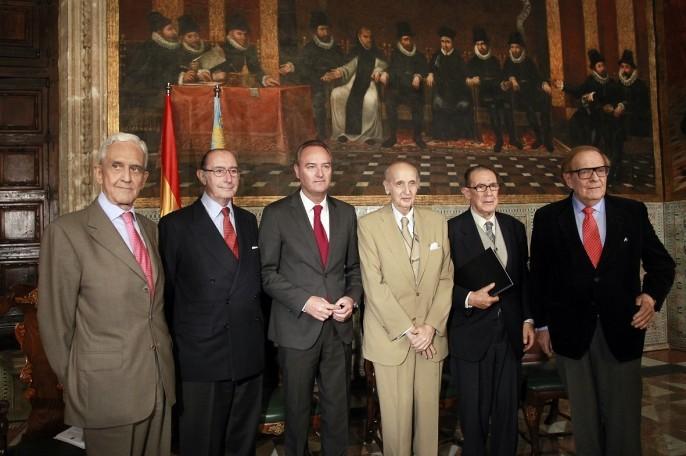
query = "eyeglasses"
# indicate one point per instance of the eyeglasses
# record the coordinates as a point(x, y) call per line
point(483, 187)
point(221, 172)
point(586, 173)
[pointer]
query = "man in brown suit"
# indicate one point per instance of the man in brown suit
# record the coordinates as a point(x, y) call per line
point(100, 312)
point(407, 276)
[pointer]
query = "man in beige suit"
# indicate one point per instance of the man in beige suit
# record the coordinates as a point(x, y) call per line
point(407, 276)
point(100, 312)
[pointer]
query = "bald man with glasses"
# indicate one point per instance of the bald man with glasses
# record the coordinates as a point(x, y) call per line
point(212, 263)
point(488, 334)
point(591, 306)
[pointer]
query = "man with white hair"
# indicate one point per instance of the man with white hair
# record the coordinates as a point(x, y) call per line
point(100, 312)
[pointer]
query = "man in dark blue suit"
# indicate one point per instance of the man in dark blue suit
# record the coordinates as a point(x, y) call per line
point(590, 304)
point(488, 334)
point(211, 258)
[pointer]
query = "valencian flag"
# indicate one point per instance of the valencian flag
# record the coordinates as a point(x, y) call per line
point(170, 196)
point(217, 126)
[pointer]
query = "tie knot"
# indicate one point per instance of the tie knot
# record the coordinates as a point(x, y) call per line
point(318, 209)
point(128, 217)
point(225, 211)
point(588, 211)
point(489, 226)
point(404, 222)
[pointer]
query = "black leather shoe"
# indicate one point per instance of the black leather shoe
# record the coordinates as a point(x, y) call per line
point(390, 142)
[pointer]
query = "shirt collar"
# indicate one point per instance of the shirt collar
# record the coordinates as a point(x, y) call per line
point(309, 204)
point(214, 208)
point(481, 221)
point(399, 215)
point(599, 207)
point(112, 210)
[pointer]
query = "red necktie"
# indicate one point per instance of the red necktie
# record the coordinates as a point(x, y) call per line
point(139, 250)
point(229, 233)
point(589, 230)
point(320, 235)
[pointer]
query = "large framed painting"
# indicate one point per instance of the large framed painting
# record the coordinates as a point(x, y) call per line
point(444, 84)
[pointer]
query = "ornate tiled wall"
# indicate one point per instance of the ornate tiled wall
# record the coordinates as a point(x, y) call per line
point(669, 219)
point(675, 230)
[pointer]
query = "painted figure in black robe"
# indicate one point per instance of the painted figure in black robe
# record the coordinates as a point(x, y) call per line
point(484, 72)
point(451, 108)
point(528, 90)
point(406, 71)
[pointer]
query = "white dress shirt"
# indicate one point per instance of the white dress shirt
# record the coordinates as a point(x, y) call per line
point(399, 215)
point(214, 210)
point(598, 215)
point(309, 209)
point(114, 213)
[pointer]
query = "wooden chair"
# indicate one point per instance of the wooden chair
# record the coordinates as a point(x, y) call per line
point(542, 387)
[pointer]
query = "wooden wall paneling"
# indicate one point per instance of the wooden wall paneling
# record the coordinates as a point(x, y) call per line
point(29, 120)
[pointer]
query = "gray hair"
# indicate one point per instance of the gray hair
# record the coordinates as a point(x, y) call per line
point(123, 137)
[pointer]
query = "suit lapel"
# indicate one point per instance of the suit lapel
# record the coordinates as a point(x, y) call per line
point(207, 235)
point(508, 238)
point(471, 240)
point(423, 238)
point(104, 233)
point(396, 243)
point(302, 225)
point(335, 224)
point(613, 233)
point(152, 250)
point(567, 223)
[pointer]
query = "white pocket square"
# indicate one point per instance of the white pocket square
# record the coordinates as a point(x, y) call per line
point(254, 247)
point(434, 246)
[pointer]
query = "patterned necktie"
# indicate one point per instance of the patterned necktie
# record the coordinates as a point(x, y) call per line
point(411, 247)
point(229, 233)
point(140, 252)
point(320, 234)
point(489, 231)
point(591, 235)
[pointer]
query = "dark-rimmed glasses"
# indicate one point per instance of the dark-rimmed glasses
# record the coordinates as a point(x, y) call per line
point(483, 187)
point(586, 173)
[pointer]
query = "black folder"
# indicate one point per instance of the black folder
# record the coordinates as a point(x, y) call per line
point(481, 270)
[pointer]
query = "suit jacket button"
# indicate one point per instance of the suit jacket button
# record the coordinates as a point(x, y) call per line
point(211, 281)
point(417, 293)
point(145, 289)
point(596, 279)
point(152, 346)
point(226, 326)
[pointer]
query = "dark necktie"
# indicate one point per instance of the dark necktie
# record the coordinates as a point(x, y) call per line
point(229, 233)
point(320, 235)
point(591, 235)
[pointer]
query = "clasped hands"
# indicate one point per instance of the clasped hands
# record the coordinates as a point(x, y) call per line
point(421, 339)
point(321, 309)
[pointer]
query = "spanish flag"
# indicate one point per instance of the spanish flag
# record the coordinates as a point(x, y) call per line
point(217, 126)
point(170, 196)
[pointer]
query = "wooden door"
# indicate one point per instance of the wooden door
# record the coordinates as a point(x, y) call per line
point(28, 137)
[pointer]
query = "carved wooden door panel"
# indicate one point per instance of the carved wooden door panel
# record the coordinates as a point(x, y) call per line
point(28, 136)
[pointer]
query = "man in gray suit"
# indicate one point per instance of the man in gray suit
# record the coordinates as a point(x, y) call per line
point(310, 268)
point(101, 315)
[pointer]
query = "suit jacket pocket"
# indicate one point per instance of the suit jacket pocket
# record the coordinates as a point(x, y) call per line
point(97, 361)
